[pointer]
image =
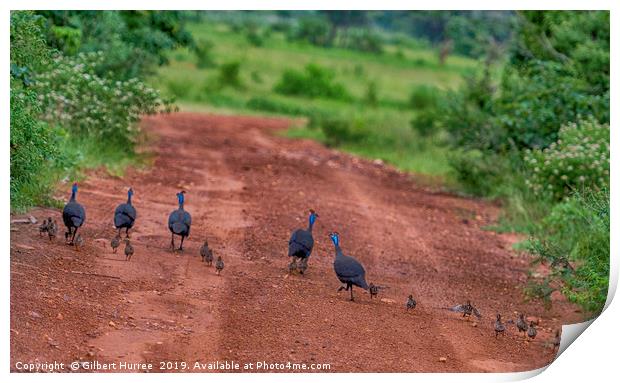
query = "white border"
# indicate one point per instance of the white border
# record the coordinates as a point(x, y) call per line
point(592, 357)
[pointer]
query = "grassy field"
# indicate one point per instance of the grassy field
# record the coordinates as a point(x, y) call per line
point(393, 74)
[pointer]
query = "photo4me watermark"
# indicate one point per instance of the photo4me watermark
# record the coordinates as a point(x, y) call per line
point(168, 366)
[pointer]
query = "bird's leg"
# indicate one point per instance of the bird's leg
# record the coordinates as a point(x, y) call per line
point(182, 239)
point(341, 288)
point(127, 232)
point(172, 242)
point(351, 287)
point(73, 237)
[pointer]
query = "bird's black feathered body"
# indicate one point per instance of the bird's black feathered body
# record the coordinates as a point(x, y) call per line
point(348, 270)
point(125, 215)
point(301, 243)
point(73, 215)
point(179, 222)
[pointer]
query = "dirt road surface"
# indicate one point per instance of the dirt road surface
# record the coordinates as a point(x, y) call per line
point(247, 189)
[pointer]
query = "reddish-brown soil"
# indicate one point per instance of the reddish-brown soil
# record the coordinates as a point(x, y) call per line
point(247, 189)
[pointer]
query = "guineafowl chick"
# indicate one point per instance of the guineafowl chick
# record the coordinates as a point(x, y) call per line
point(467, 309)
point(557, 340)
point(128, 250)
point(373, 290)
point(78, 242)
point(303, 266)
point(52, 229)
point(531, 331)
point(522, 324)
point(411, 303)
point(219, 265)
point(44, 226)
point(206, 254)
point(115, 243)
point(292, 266)
point(499, 326)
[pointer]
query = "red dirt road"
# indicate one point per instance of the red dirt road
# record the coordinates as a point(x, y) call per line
point(247, 189)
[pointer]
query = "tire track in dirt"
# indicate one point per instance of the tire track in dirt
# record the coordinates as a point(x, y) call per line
point(248, 189)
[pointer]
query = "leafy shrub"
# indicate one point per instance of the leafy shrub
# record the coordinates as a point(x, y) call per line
point(315, 30)
point(313, 82)
point(423, 96)
point(364, 40)
point(578, 159)
point(277, 106)
point(254, 37)
point(479, 173)
point(204, 54)
point(339, 130)
point(228, 75)
point(372, 94)
point(256, 77)
point(574, 239)
point(72, 95)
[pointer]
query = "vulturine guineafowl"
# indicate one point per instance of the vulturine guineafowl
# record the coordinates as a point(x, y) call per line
point(73, 215)
point(467, 309)
point(125, 215)
point(179, 221)
point(300, 245)
point(206, 254)
point(348, 270)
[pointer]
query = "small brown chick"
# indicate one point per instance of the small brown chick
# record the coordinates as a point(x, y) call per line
point(500, 328)
point(44, 226)
point(206, 254)
point(79, 242)
point(115, 243)
point(128, 250)
point(52, 229)
point(219, 265)
point(411, 303)
point(531, 331)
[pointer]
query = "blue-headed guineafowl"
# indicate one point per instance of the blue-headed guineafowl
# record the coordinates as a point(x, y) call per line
point(125, 215)
point(348, 270)
point(73, 215)
point(179, 221)
point(300, 245)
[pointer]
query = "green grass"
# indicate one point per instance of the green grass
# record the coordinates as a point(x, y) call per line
point(389, 137)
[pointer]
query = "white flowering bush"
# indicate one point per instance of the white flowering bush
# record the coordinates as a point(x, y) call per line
point(579, 159)
point(71, 94)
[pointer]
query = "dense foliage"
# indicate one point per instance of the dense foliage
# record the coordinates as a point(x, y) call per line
point(66, 94)
point(314, 81)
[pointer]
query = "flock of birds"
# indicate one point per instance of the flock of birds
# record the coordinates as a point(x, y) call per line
point(349, 271)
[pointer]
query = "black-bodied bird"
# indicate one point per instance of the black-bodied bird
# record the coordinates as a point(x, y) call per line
point(411, 303)
point(115, 243)
point(73, 215)
point(206, 254)
point(531, 331)
point(348, 270)
point(219, 265)
point(499, 326)
point(522, 324)
point(52, 229)
point(128, 250)
point(301, 243)
point(179, 221)
point(44, 226)
point(125, 215)
point(467, 309)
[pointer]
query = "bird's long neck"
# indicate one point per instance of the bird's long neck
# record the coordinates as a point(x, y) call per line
point(310, 224)
point(338, 251)
point(73, 194)
point(129, 198)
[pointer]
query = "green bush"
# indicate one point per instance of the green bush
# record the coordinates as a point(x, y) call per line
point(423, 97)
point(363, 40)
point(204, 54)
point(228, 75)
point(372, 94)
point(574, 239)
point(339, 130)
point(578, 160)
point(72, 95)
point(479, 173)
point(313, 82)
point(277, 106)
point(315, 30)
